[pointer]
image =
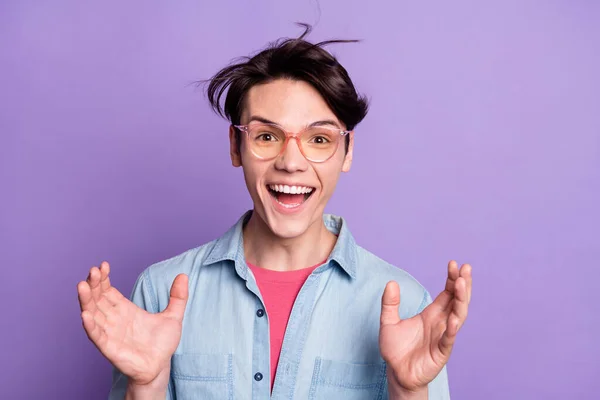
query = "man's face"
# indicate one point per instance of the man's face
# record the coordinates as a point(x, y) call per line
point(293, 105)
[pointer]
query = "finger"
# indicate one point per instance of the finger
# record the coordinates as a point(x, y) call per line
point(456, 319)
point(466, 271)
point(460, 305)
point(104, 272)
point(112, 296)
point(88, 304)
point(105, 305)
point(453, 274)
point(92, 329)
point(94, 332)
point(449, 336)
point(89, 325)
point(443, 301)
point(178, 297)
point(94, 282)
point(86, 300)
point(100, 319)
point(390, 304)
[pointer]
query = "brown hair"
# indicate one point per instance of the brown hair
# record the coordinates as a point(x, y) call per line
point(295, 59)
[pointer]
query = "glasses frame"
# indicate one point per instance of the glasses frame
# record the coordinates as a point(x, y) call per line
point(291, 135)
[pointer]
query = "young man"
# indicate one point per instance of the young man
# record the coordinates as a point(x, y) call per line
point(285, 305)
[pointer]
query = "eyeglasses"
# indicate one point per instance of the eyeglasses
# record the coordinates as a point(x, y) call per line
point(268, 141)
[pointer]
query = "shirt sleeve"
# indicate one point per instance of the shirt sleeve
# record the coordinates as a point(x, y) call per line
point(438, 388)
point(144, 296)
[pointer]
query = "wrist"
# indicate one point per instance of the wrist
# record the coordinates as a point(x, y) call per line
point(156, 389)
point(405, 394)
point(398, 392)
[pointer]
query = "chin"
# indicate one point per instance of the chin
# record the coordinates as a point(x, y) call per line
point(288, 225)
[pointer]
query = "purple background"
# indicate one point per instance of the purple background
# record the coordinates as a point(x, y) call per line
point(482, 145)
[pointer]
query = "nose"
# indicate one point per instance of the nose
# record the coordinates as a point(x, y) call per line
point(291, 159)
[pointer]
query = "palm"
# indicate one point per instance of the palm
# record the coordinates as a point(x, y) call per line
point(416, 349)
point(407, 348)
point(138, 343)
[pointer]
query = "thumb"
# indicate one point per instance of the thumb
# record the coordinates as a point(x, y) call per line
point(390, 304)
point(178, 298)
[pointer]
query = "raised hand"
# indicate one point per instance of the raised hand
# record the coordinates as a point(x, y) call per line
point(416, 349)
point(136, 342)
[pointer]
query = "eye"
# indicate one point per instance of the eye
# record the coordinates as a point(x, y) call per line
point(320, 140)
point(266, 137)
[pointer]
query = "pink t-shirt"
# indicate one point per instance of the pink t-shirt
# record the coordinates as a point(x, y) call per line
point(279, 290)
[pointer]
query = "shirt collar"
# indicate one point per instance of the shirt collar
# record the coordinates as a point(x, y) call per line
point(230, 246)
point(344, 252)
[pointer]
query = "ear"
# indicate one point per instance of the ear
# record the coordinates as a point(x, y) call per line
point(236, 157)
point(348, 157)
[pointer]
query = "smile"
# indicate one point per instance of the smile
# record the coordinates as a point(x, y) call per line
point(290, 196)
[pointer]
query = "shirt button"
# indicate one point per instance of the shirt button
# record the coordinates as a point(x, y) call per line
point(260, 312)
point(258, 376)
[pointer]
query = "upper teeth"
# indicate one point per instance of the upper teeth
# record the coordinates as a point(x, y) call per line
point(291, 189)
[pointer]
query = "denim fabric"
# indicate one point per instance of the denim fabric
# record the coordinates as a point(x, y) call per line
point(330, 350)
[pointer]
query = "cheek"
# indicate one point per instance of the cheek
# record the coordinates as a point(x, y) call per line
point(253, 173)
point(328, 176)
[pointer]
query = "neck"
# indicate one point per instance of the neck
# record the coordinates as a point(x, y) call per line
point(265, 249)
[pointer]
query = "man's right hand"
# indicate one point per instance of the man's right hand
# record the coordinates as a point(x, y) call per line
point(136, 342)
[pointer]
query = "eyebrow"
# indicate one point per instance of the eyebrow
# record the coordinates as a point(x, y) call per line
point(313, 124)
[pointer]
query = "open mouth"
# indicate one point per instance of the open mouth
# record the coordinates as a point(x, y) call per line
point(290, 196)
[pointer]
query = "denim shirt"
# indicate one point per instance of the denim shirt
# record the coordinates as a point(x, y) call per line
point(331, 344)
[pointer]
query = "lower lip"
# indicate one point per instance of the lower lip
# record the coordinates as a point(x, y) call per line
point(288, 210)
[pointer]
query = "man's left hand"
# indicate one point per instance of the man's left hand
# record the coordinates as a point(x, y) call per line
point(416, 349)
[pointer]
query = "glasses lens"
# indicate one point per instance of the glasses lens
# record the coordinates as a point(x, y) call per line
point(266, 141)
point(319, 143)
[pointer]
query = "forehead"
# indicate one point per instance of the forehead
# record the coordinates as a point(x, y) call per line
point(290, 103)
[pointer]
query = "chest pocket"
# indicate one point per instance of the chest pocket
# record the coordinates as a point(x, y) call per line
point(202, 376)
point(349, 381)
